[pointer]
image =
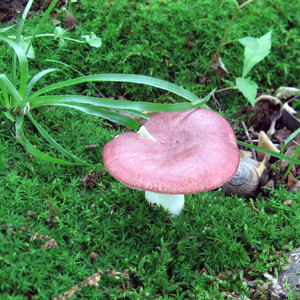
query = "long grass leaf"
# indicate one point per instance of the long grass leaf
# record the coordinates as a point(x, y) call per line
point(21, 138)
point(36, 78)
point(23, 64)
point(8, 84)
point(18, 37)
point(106, 103)
point(37, 29)
point(4, 98)
point(76, 71)
point(109, 115)
point(275, 154)
point(55, 145)
point(139, 79)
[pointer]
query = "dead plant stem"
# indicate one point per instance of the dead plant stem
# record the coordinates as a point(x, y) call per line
point(223, 43)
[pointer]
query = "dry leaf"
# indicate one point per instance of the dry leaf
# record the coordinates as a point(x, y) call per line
point(51, 244)
point(70, 20)
point(282, 134)
point(290, 152)
point(219, 66)
point(293, 184)
point(55, 21)
point(286, 92)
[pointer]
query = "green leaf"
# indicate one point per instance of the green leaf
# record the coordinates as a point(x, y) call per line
point(6, 28)
point(55, 145)
point(36, 78)
point(9, 116)
point(236, 3)
point(248, 88)
point(24, 44)
point(93, 40)
point(292, 136)
point(103, 113)
point(140, 79)
point(270, 152)
point(58, 32)
point(205, 99)
point(23, 63)
point(105, 103)
point(256, 49)
point(16, 96)
point(61, 42)
point(20, 136)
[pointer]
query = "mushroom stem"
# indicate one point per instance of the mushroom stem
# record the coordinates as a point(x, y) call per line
point(170, 202)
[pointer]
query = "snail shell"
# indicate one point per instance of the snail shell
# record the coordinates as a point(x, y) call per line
point(247, 179)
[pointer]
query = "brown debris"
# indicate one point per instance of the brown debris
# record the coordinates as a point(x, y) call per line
point(282, 134)
point(91, 179)
point(70, 21)
point(219, 67)
point(92, 281)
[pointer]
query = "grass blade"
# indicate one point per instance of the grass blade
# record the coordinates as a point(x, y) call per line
point(8, 84)
point(77, 71)
point(48, 11)
point(106, 103)
point(106, 114)
point(34, 151)
point(23, 64)
point(55, 145)
point(36, 78)
point(140, 79)
point(275, 154)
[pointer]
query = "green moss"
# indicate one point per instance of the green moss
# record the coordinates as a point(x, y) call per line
point(167, 258)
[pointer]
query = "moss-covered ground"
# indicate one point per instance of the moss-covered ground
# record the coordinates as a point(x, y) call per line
point(218, 243)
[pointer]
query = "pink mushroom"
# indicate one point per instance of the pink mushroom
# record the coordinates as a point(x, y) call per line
point(174, 154)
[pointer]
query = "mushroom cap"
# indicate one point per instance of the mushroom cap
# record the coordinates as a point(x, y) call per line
point(194, 151)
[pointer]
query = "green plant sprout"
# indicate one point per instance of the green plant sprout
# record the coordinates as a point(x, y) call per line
point(18, 99)
point(256, 49)
point(58, 34)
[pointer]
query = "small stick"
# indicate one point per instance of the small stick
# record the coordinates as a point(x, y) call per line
point(250, 139)
point(217, 102)
point(51, 243)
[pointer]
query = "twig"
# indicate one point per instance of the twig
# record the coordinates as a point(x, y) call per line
point(250, 139)
point(218, 102)
point(51, 243)
point(93, 281)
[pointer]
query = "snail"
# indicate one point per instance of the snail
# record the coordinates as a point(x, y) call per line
point(249, 176)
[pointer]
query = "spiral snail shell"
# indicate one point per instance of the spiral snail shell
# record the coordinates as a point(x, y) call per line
point(247, 178)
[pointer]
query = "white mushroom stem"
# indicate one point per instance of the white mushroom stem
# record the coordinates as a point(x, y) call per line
point(172, 203)
point(145, 133)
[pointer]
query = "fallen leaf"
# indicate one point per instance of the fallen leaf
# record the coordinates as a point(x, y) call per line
point(70, 20)
point(55, 21)
point(282, 134)
point(293, 184)
point(286, 92)
point(219, 66)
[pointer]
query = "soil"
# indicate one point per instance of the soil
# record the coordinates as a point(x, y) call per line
point(9, 9)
